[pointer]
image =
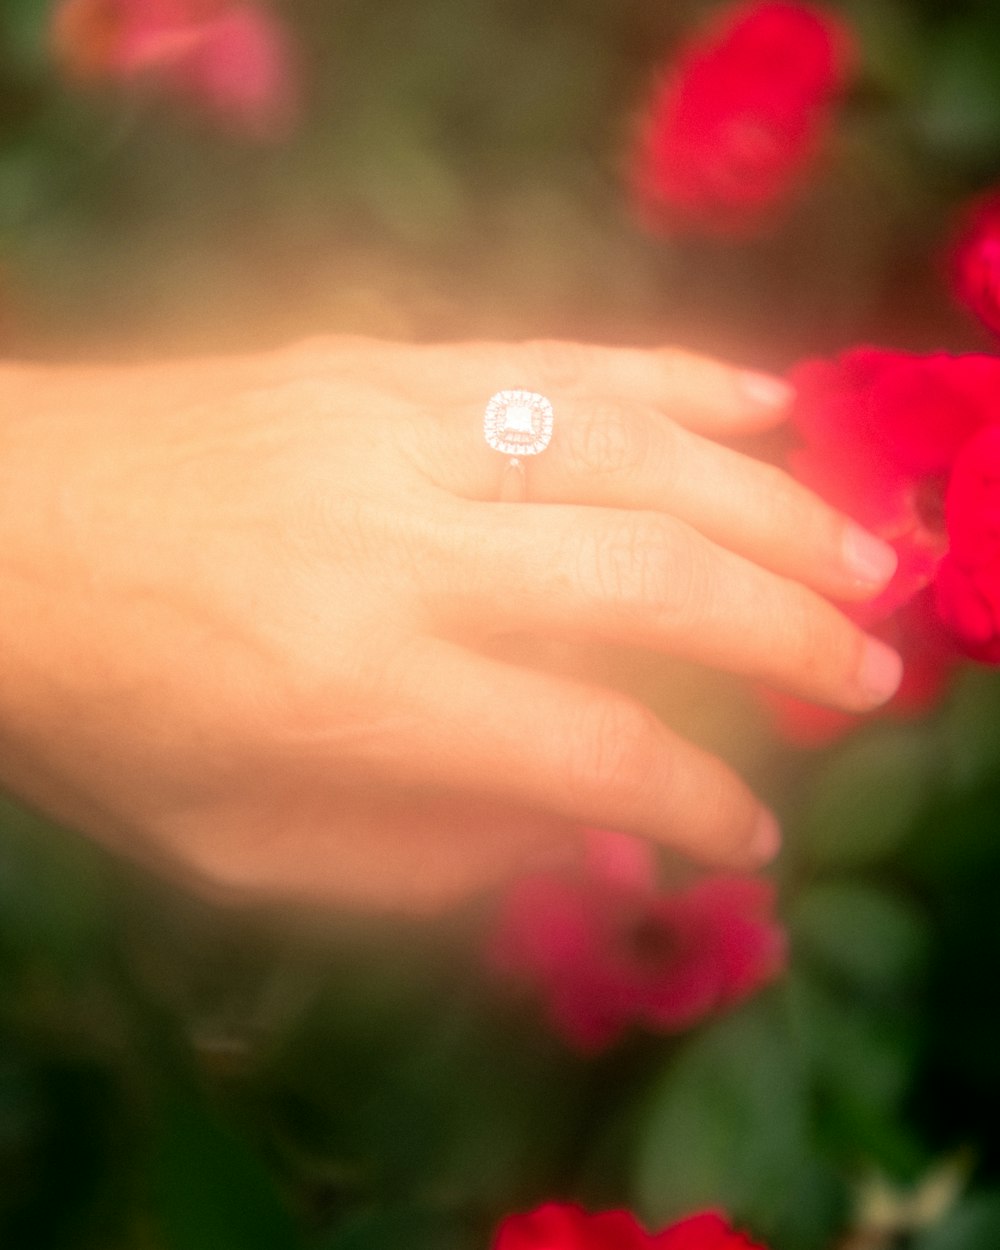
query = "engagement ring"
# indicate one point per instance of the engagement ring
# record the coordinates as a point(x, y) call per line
point(517, 423)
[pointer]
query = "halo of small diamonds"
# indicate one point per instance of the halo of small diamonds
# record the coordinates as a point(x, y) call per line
point(518, 423)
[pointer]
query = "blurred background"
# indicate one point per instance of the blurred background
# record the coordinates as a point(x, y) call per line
point(176, 1077)
point(463, 169)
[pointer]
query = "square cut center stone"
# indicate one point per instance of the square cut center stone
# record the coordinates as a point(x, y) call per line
point(518, 422)
point(517, 419)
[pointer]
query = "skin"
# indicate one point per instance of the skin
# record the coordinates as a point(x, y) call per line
point(252, 606)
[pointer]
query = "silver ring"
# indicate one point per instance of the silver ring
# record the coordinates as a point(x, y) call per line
point(517, 423)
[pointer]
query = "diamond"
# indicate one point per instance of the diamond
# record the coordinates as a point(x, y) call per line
point(518, 422)
point(517, 419)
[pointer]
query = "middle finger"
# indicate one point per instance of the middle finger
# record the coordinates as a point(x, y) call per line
point(648, 580)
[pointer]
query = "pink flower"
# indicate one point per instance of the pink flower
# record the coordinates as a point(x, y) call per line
point(231, 59)
point(908, 445)
point(739, 117)
point(974, 260)
point(565, 1226)
point(606, 950)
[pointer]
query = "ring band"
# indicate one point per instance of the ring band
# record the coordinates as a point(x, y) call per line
point(517, 423)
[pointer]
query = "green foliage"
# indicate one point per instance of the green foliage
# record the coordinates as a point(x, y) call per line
point(865, 938)
point(968, 730)
point(867, 797)
point(728, 1125)
point(958, 105)
point(392, 1225)
point(209, 1191)
point(972, 1225)
point(413, 1086)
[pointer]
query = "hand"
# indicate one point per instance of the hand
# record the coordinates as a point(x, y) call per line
point(248, 609)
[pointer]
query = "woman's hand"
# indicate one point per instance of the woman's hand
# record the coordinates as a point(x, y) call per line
point(249, 607)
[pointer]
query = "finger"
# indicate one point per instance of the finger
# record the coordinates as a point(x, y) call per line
point(645, 579)
point(579, 754)
point(701, 393)
point(609, 455)
point(704, 394)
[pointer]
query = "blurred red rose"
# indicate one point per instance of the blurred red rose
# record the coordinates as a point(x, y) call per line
point(739, 117)
point(232, 61)
point(967, 588)
point(564, 1226)
point(607, 949)
point(974, 260)
point(887, 437)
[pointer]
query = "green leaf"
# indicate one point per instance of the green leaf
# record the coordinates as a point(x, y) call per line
point(727, 1127)
point(889, 33)
point(866, 938)
point(969, 729)
point(862, 1062)
point(210, 1191)
point(26, 30)
point(959, 114)
point(855, 1053)
point(867, 797)
point(972, 1225)
point(54, 895)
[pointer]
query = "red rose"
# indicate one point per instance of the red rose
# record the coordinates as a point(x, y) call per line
point(707, 1231)
point(884, 436)
point(739, 117)
point(562, 1226)
point(607, 949)
point(974, 261)
point(967, 589)
point(233, 61)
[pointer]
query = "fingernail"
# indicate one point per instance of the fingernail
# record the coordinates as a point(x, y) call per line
point(767, 391)
point(766, 840)
point(869, 558)
point(881, 671)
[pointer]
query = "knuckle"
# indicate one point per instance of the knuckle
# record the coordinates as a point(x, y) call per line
point(647, 566)
point(607, 441)
point(773, 487)
point(616, 752)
